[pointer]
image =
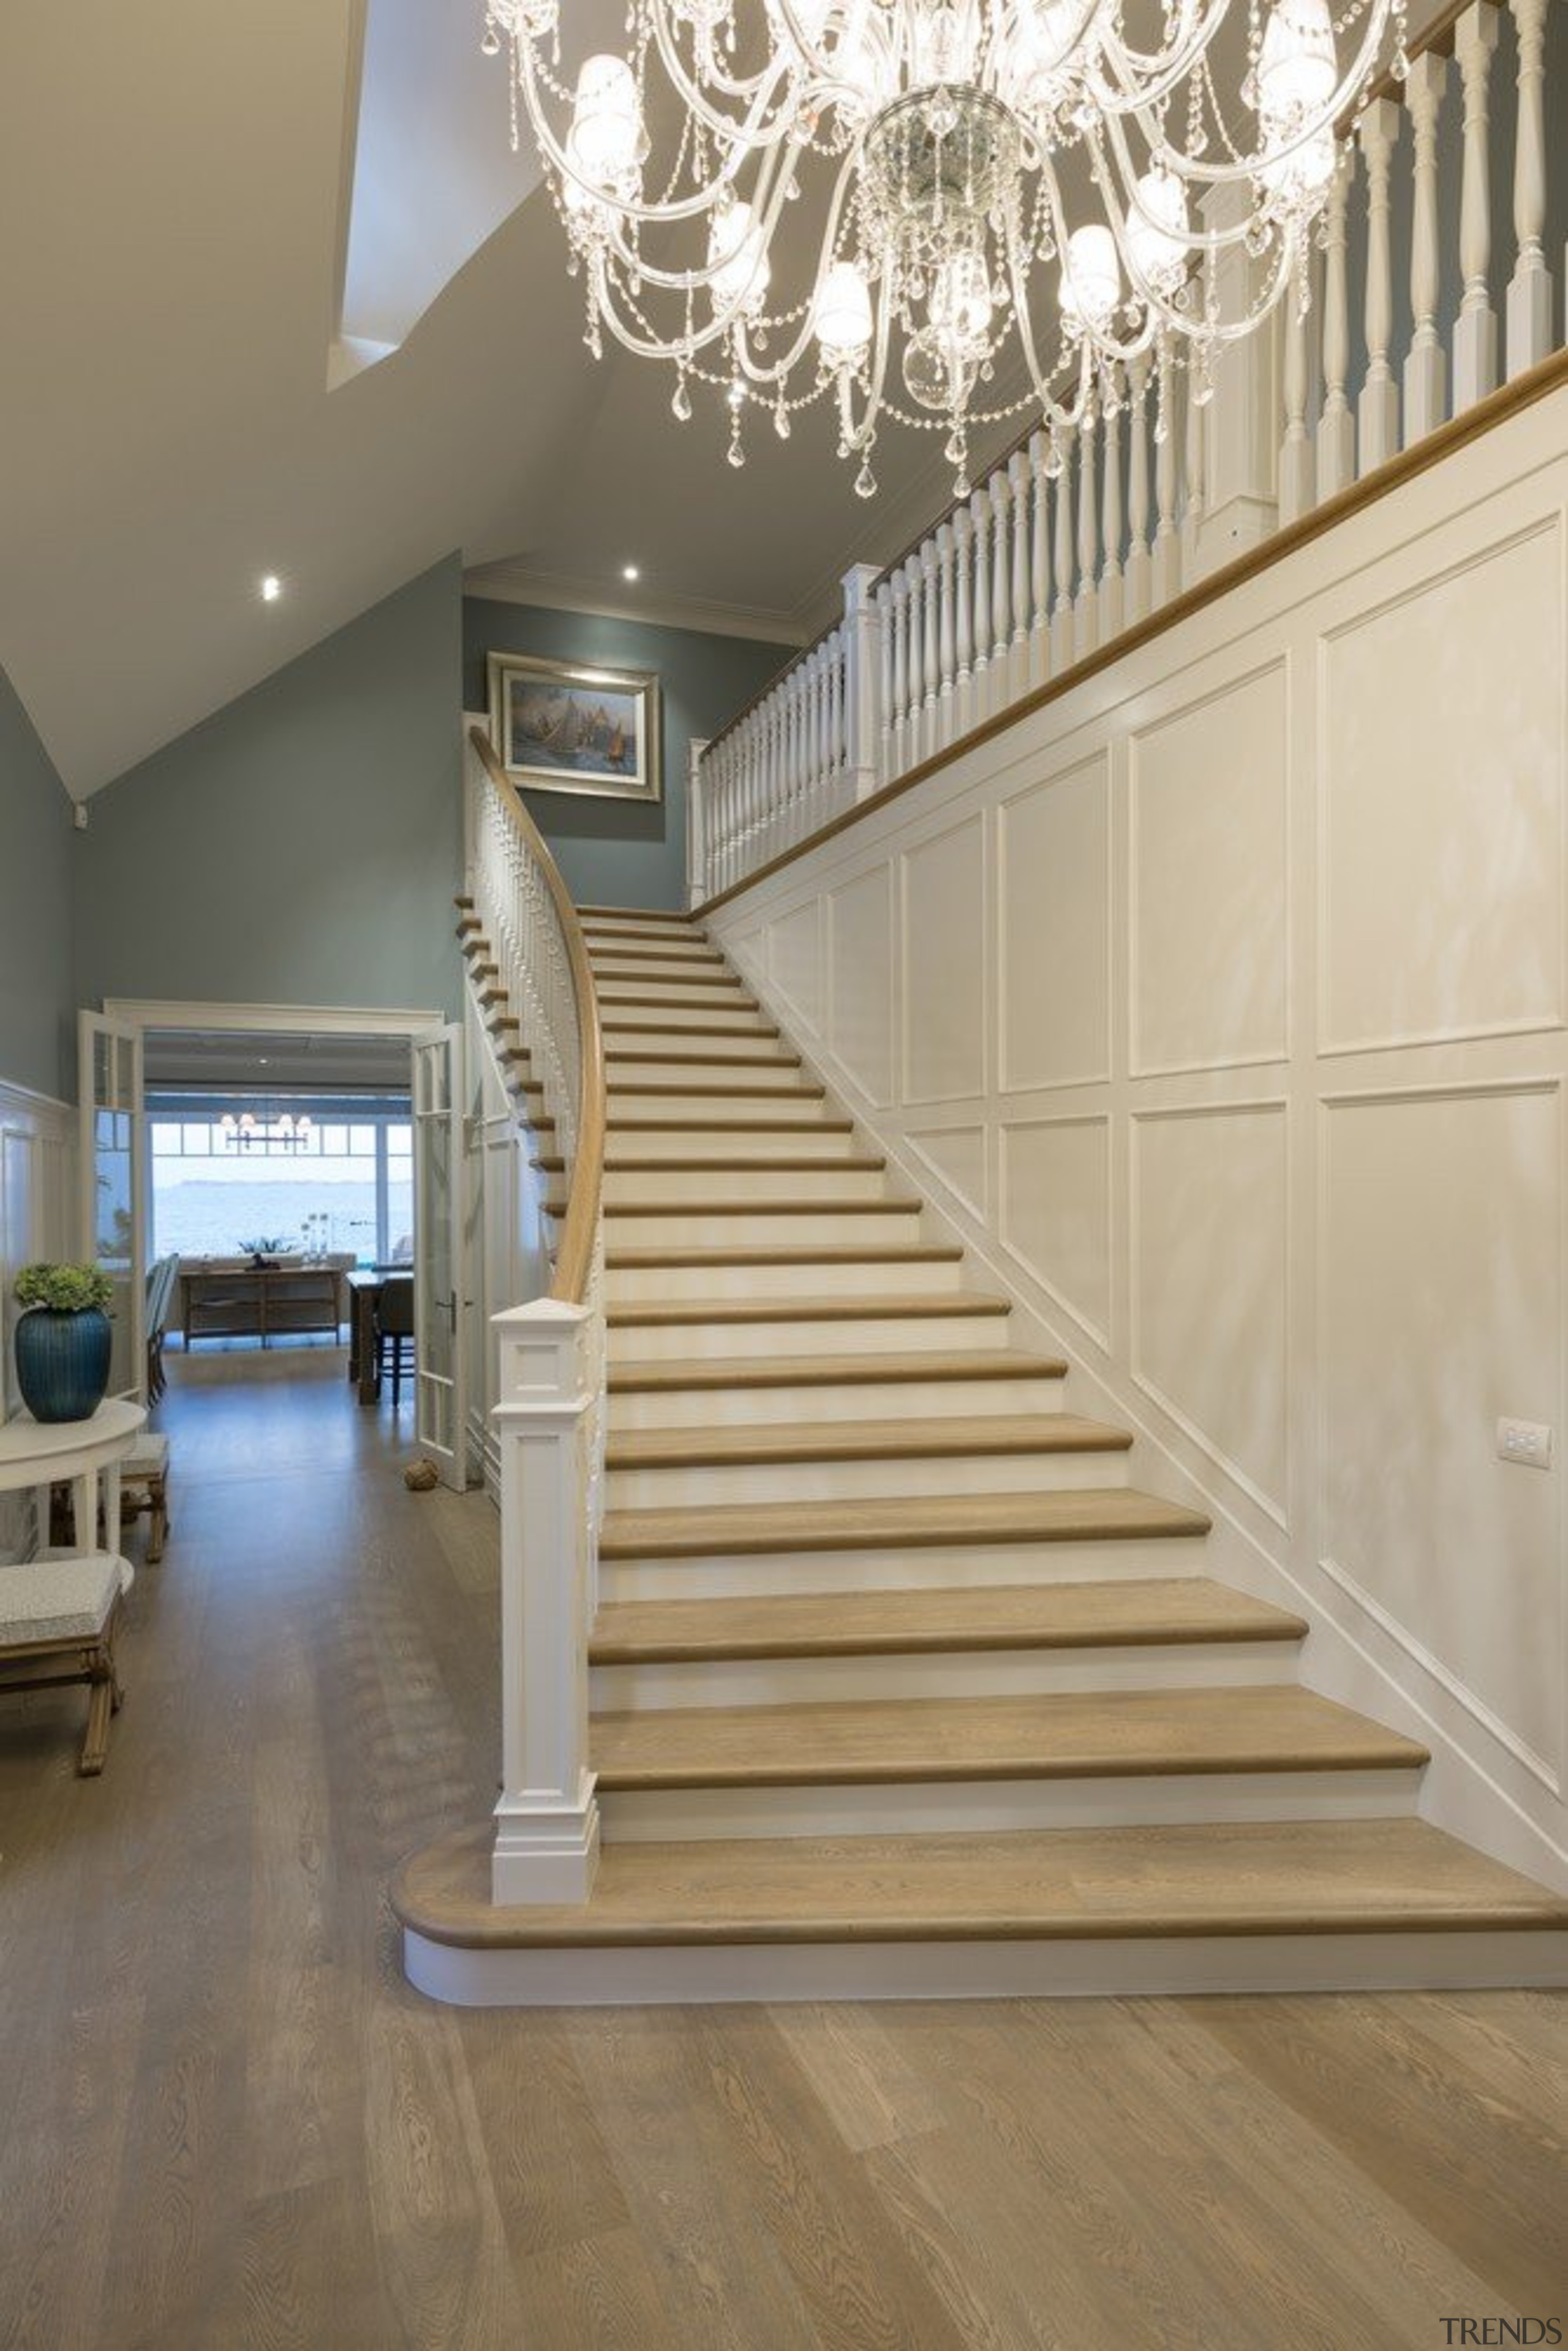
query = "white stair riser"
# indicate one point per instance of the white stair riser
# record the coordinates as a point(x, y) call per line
point(829, 1481)
point(1141, 1966)
point(699, 1187)
point(891, 1224)
point(646, 960)
point(710, 1342)
point(778, 1076)
point(876, 1400)
point(800, 1139)
point(923, 1567)
point(748, 1033)
point(900, 1277)
point(626, 1109)
point(990, 1673)
point(675, 1020)
point(909, 1808)
point(697, 998)
point(634, 929)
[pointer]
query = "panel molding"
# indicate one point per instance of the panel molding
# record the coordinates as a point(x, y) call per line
point(907, 853)
point(1099, 1334)
point(1097, 763)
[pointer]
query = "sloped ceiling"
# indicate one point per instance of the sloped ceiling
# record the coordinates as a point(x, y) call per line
point(175, 233)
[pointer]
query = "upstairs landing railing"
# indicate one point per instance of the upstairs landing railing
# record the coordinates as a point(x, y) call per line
point(549, 1413)
point(1071, 542)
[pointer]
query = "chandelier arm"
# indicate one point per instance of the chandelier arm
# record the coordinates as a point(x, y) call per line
point(630, 207)
point(690, 281)
point(1169, 68)
point(690, 92)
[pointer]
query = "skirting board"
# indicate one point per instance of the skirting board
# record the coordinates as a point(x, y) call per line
point(668, 1974)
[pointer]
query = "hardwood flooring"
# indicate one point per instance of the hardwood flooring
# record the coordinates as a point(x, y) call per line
point(231, 2125)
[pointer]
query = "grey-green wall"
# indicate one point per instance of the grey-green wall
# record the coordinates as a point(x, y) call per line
point(623, 853)
point(37, 1000)
point(302, 845)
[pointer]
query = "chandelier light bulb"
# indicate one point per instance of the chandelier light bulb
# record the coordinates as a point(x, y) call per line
point(842, 318)
point(1091, 276)
point(607, 121)
point(1296, 69)
point(737, 259)
point(1156, 228)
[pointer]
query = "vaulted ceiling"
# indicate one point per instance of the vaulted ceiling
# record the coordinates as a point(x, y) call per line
point(212, 222)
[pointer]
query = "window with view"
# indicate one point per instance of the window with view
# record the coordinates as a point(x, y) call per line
point(319, 1178)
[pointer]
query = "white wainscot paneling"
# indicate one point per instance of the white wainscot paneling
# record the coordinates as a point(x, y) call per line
point(1055, 1213)
point(748, 950)
point(1053, 868)
point(1442, 1309)
point(1208, 889)
point(860, 983)
point(1209, 1284)
point(957, 1157)
point(1442, 806)
point(795, 961)
point(944, 966)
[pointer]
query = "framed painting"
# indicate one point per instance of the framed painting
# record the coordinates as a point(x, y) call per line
point(570, 726)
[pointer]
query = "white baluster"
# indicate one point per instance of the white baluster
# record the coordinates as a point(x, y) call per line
point(1426, 365)
point(1195, 500)
point(1085, 612)
point(980, 517)
point(1298, 470)
point(1168, 540)
point(1336, 426)
point(899, 730)
point(1111, 571)
point(931, 657)
point(1475, 328)
point(1039, 565)
point(1139, 559)
point(946, 650)
point(915, 573)
point(964, 620)
point(863, 673)
point(1061, 614)
point(1377, 411)
point(1529, 288)
point(887, 766)
point(1000, 634)
point(1018, 653)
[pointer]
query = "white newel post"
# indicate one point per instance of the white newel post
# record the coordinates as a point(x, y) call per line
point(1529, 288)
point(696, 824)
point(546, 1822)
point(1377, 411)
point(1425, 367)
point(1241, 420)
point(1475, 328)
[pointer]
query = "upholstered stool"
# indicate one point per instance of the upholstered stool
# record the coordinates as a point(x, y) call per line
point(58, 1616)
point(144, 1489)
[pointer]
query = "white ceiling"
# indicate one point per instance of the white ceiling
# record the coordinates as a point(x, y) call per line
point(173, 186)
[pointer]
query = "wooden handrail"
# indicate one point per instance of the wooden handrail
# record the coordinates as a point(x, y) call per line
point(574, 1258)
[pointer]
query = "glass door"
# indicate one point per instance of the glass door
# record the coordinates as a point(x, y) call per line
point(113, 1194)
point(441, 1354)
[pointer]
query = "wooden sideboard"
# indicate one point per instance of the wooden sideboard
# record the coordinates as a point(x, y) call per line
point(261, 1302)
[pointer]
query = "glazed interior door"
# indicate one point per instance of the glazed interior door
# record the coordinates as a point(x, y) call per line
point(441, 1349)
point(113, 1165)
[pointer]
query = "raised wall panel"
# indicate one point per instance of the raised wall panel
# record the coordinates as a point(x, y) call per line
point(957, 1156)
point(795, 960)
point(1208, 893)
point(944, 965)
point(1442, 1309)
point(1053, 857)
point(860, 980)
point(1442, 798)
point(1055, 1211)
point(1210, 1239)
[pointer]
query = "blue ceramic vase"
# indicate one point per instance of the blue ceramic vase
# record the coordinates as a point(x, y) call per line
point(62, 1362)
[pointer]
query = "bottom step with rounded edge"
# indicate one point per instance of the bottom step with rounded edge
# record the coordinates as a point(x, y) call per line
point(1273, 1907)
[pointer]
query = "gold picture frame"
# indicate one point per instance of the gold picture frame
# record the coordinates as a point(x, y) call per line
point(577, 726)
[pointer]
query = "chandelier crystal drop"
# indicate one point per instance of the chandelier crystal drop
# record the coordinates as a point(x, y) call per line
point(1012, 193)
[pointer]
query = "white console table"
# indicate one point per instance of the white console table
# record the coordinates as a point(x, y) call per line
point(41, 1454)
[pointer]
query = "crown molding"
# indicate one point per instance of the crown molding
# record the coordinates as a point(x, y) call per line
point(510, 583)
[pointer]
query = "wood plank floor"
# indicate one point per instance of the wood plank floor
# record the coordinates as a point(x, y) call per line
point(231, 2124)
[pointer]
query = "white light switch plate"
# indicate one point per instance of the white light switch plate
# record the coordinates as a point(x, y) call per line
point(1526, 1441)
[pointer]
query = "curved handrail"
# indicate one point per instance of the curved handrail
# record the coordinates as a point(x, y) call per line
point(574, 1258)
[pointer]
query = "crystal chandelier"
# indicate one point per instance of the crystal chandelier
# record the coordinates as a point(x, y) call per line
point(1035, 191)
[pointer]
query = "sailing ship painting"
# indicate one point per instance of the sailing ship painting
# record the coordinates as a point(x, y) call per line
point(567, 726)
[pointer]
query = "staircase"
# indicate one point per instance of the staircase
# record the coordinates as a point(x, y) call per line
point(900, 1680)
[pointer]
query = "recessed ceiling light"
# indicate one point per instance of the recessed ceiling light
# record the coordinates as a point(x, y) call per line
point(630, 572)
point(271, 588)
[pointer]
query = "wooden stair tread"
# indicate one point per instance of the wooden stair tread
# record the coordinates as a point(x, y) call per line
point(637, 914)
point(1266, 1877)
point(708, 1127)
point(614, 949)
point(1162, 1610)
point(1080, 1514)
point(761, 1030)
point(625, 1088)
point(626, 1260)
point(1071, 1734)
point(702, 1060)
point(794, 1206)
point(833, 1370)
point(875, 1306)
point(909, 1439)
